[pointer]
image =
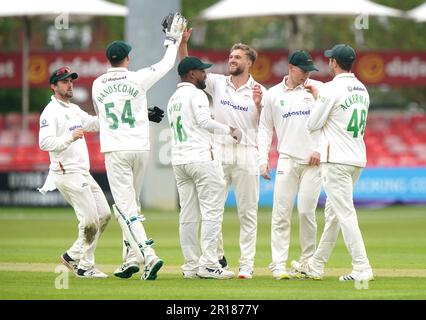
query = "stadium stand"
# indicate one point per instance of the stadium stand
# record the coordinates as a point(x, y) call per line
point(392, 140)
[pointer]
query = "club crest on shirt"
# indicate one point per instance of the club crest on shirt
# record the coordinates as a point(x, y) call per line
point(44, 123)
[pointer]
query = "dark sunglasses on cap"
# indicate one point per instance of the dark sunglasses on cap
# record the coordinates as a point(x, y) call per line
point(62, 70)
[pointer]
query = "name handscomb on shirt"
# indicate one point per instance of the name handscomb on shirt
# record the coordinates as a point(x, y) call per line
point(120, 87)
point(297, 113)
point(234, 106)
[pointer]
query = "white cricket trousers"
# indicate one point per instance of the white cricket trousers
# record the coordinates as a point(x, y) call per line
point(294, 178)
point(83, 193)
point(241, 169)
point(338, 182)
point(200, 187)
point(125, 171)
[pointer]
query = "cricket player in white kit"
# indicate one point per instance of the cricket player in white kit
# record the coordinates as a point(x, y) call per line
point(287, 108)
point(237, 102)
point(62, 124)
point(198, 172)
point(120, 100)
point(340, 115)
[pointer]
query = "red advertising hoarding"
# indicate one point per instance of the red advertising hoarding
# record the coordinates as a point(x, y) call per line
point(373, 68)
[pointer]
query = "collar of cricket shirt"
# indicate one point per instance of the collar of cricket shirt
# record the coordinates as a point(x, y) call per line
point(117, 69)
point(63, 103)
point(249, 84)
point(345, 75)
point(286, 88)
point(185, 84)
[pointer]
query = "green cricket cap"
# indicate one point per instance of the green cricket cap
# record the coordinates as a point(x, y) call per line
point(118, 50)
point(342, 53)
point(191, 63)
point(61, 74)
point(303, 60)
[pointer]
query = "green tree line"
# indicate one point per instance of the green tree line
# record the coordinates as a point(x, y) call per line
point(262, 33)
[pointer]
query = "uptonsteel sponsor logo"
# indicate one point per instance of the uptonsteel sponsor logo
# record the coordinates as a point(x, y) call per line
point(75, 127)
point(297, 113)
point(234, 106)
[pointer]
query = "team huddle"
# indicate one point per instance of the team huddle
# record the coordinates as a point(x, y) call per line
point(319, 128)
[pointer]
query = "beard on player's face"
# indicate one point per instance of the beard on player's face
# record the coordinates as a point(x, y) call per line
point(236, 71)
point(200, 79)
point(201, 84)
point(64, 94)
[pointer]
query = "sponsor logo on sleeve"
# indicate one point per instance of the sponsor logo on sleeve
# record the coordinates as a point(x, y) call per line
point(44, 123)
point(351, 88)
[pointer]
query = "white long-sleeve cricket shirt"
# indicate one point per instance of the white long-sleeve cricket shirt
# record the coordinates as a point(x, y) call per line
point(340, 115)
point(287, 110)
point(57, 122)
point(119, 97)
point(234, 107)
point(192, 126)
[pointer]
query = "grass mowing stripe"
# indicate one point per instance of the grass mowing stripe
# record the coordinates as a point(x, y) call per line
point(31, 239)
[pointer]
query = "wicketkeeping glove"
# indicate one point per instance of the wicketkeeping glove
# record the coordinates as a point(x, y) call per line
point(173, 26)
point(155, 114)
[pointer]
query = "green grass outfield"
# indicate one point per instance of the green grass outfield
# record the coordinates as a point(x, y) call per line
point(31, 241)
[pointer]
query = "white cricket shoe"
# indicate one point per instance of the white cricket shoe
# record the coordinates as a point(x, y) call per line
point(306, 270)
point(189, 275)
point(91, 273)
point(151, 268)
point(280, 274)
point(71, 264)
point(219, 273)
point(126, 270)
point(358, 276)
point(245, 274)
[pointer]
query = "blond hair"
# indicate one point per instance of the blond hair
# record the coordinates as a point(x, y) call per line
point(250, 52)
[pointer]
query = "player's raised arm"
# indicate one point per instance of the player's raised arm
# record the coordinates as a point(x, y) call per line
point(183, 47)
point(173, 26)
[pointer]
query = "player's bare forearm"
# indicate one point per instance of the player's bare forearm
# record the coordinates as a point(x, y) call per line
point(257, 97)
point(183, 47)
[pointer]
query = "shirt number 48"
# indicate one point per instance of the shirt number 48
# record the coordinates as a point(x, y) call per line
point(357, 123)
point(126, 116)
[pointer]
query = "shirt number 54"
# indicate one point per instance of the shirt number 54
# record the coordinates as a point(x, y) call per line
point(126, 116)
